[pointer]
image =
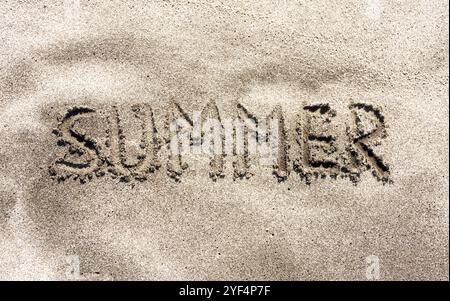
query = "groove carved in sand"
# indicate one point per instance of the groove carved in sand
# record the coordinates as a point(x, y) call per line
point(308, 147)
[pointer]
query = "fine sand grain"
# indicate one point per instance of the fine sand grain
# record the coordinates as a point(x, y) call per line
point(90, 190)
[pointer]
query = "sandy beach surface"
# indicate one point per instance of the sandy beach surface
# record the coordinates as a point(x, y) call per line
point(90, 191)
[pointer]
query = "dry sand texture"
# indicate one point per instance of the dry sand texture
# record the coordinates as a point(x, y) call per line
point(87, 87)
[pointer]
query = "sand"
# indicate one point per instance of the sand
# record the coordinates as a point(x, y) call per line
point(89, 190)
